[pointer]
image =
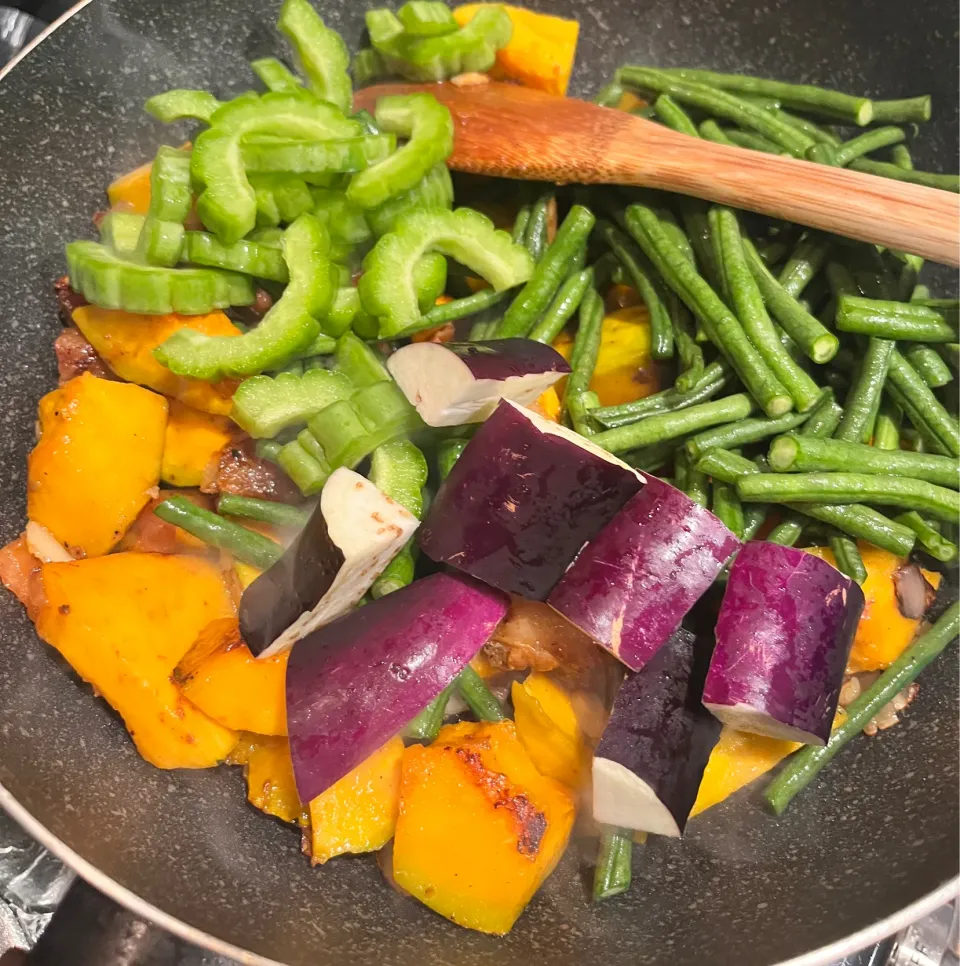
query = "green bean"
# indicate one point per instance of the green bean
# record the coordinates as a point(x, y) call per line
point(945, 182)
point(854, 519)
point(899, 112)
point(426, 725)
point(929, 365)
point(950, 353)
point(246, 545)
point(808, 763)
point(527, 308)
point(685, 337)
point(900, 156)
point(824, 419)
point(586, 348)
point(863, 399)
point(840, 488)
point(816, 342)
point(459, 309)
point(614, 863)
point(673, 115)
point(795, 453)
point(535, 235)
point(804, 262)
point(642, 276)
point(727, 508)
point(448, 452)
point(713, 220)
point(846, 555)
point(266, 511)
point(772, 252)
point(918, 395)
point(681, 470)
point(709, 130)
point(609, 95)
point(866, 143)
point(482, 329)
point(921, 437)
point(520, 223)
point(268, 449)
point(919, 293)
point(886, 430)
point(788, 531)
point(564, 304)
point(722, 326)
point(481, 700)
point(747, 301)
point(753, 142)
point(754, 517)
point(652, 458)
point(675, 233)
point(716, 377)
point(948, 308)
point(929, 537)
point(656, 429)
point(813, 130)
point(741, 433)
point(803, 97)
point(841, 280)
point(908, 321)
point(716, 102)
point(694, 215)
point(691, 480)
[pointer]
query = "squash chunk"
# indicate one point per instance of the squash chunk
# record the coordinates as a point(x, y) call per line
point(883, 633)
point(541, 51)
point(224, 680)
point(359, 812)
point(548, 728)
point(98, 456)
point(125, 341)
point(123, 622)
point(479, 827)
point(625, 370)
point(193, 440)
point(131, 191)
point(269, 772)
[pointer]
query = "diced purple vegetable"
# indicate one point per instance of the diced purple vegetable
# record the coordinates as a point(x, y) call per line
point(355, 683)
point(784, 633)
point(638, 577)
point(353, 533)
point(522, 499)
point(650, 760)
point(455, 383)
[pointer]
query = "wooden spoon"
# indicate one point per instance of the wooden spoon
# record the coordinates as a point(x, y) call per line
point(516, 132)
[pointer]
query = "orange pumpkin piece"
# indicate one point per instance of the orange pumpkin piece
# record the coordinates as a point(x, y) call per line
point(547, 726)
point(479, 828)
point(224, 680)
point(125, 341)
point(269, 772)
point(123, 622)
point(359, 812)
point(547, 404)
point(98, 456)
point(883, 633)
point(541, 51)
point(131, 191)
point(192, 442)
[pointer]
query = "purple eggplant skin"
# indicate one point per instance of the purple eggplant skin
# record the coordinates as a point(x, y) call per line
point(784, 632)
point(661, 734)
point(502, 359)
point(521, 501)
point(291, 586)
point(632, 585)
point(354, 683)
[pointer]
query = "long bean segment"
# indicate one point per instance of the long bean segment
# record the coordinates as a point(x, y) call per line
point(583, 359)
point(246, 545)
point(819, 344)
point(847, 557)
point(840, 488)
point(614, 858)
point(482, 701)
point(863, 400)
point(804, 262)
point(728, 509)
point(929, 365)
point(803, 97)
point(893, 320)
point(534, 298)
point(929, 537)
point(794, 453)
point(673, 115)
point(741, 433)
point(916, 109)
point(746, 299)
point(266, 511)
point(808, 763)
point(666, 426)
point(865, 143)
point(722, 326)
point(945, 182)
point(564, 304)
point(918, 395)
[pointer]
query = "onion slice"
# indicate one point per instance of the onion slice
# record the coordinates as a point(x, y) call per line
point(44, 545)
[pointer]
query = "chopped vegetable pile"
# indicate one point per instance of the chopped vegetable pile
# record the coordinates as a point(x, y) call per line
point(410, 566)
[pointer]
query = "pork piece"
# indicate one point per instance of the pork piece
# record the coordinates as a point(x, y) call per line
point(20, 574)
point(67, 299)
point(75, 356)
point(239, 470)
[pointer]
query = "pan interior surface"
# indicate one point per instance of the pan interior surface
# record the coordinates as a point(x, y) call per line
point(876, 832)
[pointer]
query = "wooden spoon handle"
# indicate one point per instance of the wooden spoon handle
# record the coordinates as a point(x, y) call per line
point(515, 132)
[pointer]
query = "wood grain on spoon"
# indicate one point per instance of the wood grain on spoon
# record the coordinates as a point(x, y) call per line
point(516, 132)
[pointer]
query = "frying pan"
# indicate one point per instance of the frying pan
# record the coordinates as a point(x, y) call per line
point(872, 844)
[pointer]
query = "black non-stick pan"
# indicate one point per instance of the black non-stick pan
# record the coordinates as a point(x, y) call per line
point(871, 844)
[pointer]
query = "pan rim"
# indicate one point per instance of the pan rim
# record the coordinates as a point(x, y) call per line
point(837, 950)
